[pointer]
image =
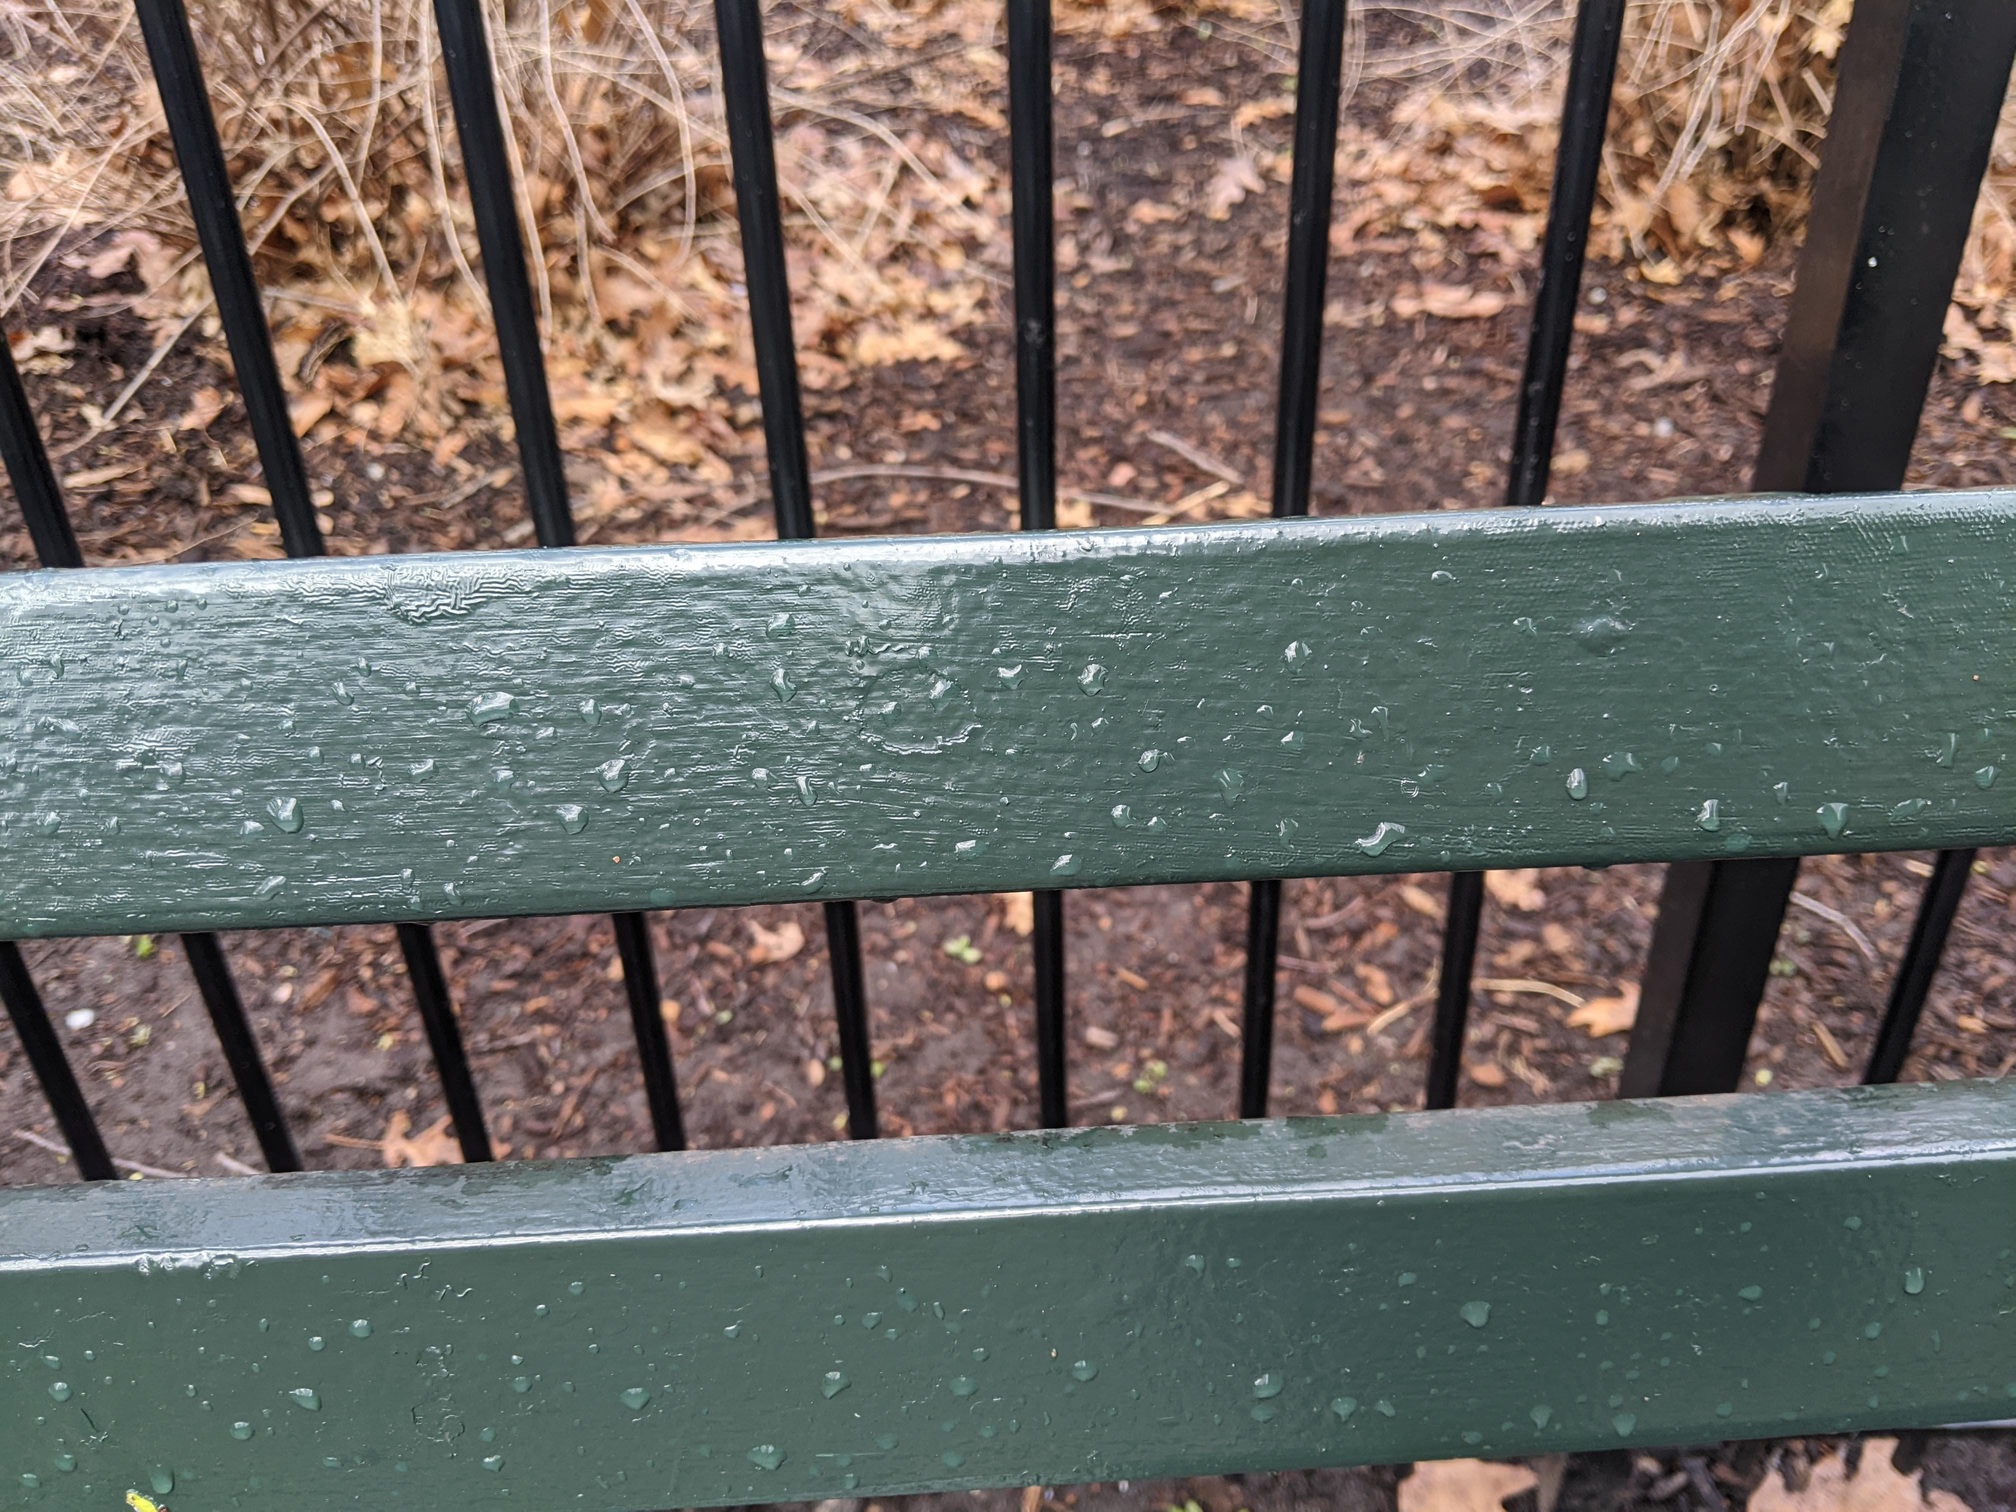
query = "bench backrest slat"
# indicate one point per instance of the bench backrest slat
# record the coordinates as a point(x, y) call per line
point(542, 733)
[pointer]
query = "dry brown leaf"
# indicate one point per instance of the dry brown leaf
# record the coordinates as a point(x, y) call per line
point(1378, 985)
point(1101, 1039)
point(433, 1146)
point(1608, 1015)
point(912, 341)
point(1421, 900)
point(1018, 912)
point(1875, 1487)
point(1234, 178)
point(1516, 889)
point(1317, 1001)
point(1488, 1074)
point(1464, 1485)
point(1074, 514)
point(1450, 302)
point(205, 405)
point(774, 945)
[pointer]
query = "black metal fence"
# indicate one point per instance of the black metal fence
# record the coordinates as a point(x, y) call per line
point(1920, 87)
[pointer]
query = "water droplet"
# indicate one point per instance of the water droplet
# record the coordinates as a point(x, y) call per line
point(1268, 1384)
point(1123, 815)
point(66, 1461)
point(1084, 1370)
point(30, 1479)
point(306, 1398)
point(1343, 1406)
point(615, 774)
point(1914, 1281)
point(1578, 784)
point(60, 1390)
point(781, 627)
point(636, 1398)
point(1751, 1293)
point(1384, 1408)
point(49, 824)
point(1619, 764)
point(573, 817)
point(1948, 749)
point(1066, 865)
point(1010, 676)
point(241, 1431)
point(1833, 818)
point(162, 1479)
point(885, 1442)
point(1381, 839)
point(317, 1343)
point(834, 1383)
point(781, 685)
point(287, 814)
point(1195, 1262)
point(1710, 817)
point(1406, 1278)
point(1149, 760)
point(1984, 777)
point(1293, 740)
point(1723, 1409)
point(953, 1459)
point(1601, 634)
point(1541, 755)
point(1231, 780)
point(1541, 1415)
point(963, 1386)
point(343, 694)
point(1872, 1331)
point(766, 1456)
point(488, 708)
point(1093, 678)
point(521, 1384)
point(1476, 1314)
point(1297, 653)
point(871, 1320)
point(360, 1328)
point(493, 1462)
point(1624, 1422)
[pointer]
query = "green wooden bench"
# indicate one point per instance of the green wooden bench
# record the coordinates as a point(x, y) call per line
point(879, 718)
point(1724, 685)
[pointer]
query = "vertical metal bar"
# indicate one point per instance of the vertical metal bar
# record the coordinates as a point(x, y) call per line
point(1585, 112)
point(1256, 1041)
point(52, 1070)
point(654, 1045)
point(465, 54)
point(1920, 88)
point(172, 51)
point(27, 461)
point(444, 1038)
point(1452, 987)
point(1920, 964)
point(472, 86)
point(35, 485)
point(1318, 85)
point(1031, 173)
point(241, 1051)
point(745, 87)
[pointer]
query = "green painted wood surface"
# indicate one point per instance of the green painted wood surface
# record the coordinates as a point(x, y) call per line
point(329, 741)
point(760, 1325)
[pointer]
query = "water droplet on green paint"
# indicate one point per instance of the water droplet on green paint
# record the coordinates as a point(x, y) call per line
point(1084, 1370)
point(834, 1383)
point(1268, 1384)
point(1476, 1314)
point(1914, 1281)
point(306, 1398)
point(636, 1398)
point(766, 1456)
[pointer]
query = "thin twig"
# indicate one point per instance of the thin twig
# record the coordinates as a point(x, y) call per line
point(1196, 456)
point(1841, 922)
point(56, 1147)
point(980, 479)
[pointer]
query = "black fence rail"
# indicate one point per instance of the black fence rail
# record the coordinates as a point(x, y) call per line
point(1920, 87)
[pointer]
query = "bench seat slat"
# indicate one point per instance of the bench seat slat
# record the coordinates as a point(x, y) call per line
point(477, 735)
point(804, 1323)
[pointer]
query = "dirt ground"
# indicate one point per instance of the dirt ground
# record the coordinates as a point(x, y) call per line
point(1168, 332)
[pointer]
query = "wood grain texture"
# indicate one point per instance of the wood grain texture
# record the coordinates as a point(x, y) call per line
point(474, 735)
point(796, 1324)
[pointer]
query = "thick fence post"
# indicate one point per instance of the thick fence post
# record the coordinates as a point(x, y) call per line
point(1920, 89)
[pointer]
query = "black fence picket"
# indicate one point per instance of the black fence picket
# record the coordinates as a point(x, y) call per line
point(1318, 87)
